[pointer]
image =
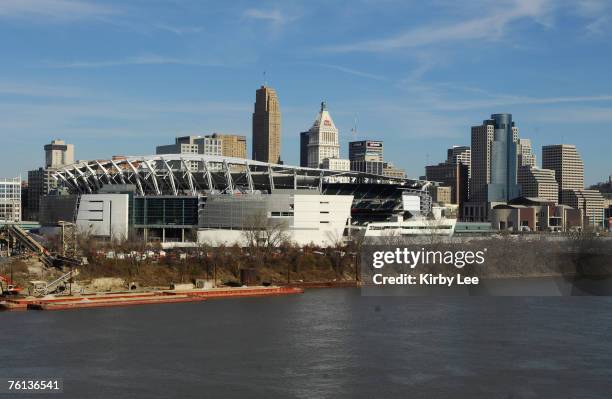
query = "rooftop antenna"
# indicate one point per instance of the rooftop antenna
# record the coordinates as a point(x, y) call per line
point(264, 78)
point(354, 130)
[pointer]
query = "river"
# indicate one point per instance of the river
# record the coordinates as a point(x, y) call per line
point(325, 343)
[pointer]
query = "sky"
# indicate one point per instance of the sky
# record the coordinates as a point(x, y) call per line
point(120, 77)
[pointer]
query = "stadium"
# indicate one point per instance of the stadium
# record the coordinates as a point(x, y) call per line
point(194, 198)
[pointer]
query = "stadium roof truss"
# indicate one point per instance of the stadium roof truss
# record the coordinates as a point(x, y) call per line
point(181, 174)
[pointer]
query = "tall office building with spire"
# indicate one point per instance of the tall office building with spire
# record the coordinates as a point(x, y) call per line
point(266, 126)
point(322, 139)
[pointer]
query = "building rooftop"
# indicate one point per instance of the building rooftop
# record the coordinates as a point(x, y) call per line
point(529, 201)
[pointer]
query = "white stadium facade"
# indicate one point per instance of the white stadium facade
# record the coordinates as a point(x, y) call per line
point(182, 199)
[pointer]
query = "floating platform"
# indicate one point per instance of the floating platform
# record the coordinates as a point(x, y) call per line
point(326, 284)
point(236, 292)
point(140, 298)
point(13, 305)
point(113, 302)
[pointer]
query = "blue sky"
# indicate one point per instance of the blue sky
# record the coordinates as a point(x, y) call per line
point(119, 77)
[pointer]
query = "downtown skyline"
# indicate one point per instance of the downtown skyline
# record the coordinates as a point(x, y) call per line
point(112, 79)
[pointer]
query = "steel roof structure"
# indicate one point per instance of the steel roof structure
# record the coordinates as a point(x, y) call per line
point(193, 174)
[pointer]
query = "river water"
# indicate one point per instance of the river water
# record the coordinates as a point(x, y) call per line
point(326, 343)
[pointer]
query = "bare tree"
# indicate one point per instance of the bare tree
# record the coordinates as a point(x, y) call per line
point(134, 250)
point(265, 234)
point(338, 253)
point(202, 257)
point(86, 243)
point(355, 250)
point(434, 229)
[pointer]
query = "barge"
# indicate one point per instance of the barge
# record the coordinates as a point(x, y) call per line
point(140, 298)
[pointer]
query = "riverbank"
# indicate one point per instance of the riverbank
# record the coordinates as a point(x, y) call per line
point(311, 267)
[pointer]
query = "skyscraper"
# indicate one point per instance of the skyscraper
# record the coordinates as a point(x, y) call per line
point(366, 150)
point(493, 166)
point(494, 160)
point(191, 145)
point(367, 156)
point(40, 181)
point(460, 154)
point(526, 157)
point(538, 183)
point(266, 126)
point(390, 170)
point(304, 138)
point(565, 160)
point(590, 202)
point(453, 176)
point(482, 136)
point(207, 145)
point(232, 145)
point(323, 139)
point(503, 184)
point(454, 173)
point(58, 153)
point(10, 200)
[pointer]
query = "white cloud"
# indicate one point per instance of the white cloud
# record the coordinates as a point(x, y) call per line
point(589, 8)
point(351, 71)
point(502, 101)
point(453, 97)
point(54, 9)
point(577, 115)
point(149, 59)
point(275, 16)
point(180, 30)
point(490, 26)
point(599, 26)
point(123, 112)
point(425, 61)
point(36, 90)
point(597, 13)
